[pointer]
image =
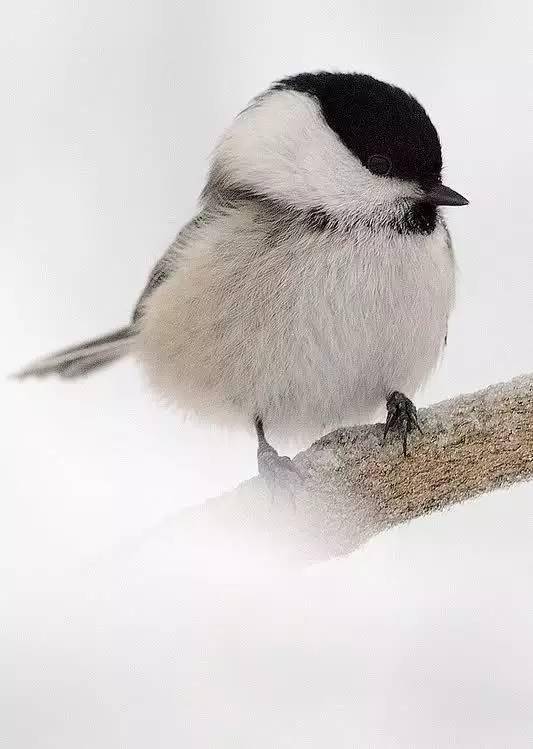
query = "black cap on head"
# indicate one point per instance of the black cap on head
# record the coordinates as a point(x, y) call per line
point(386, 128)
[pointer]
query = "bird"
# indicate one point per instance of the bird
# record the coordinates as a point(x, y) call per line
point(315, 282)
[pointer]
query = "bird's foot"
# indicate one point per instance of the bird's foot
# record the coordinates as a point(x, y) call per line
point(283, 479)
point(401, 412)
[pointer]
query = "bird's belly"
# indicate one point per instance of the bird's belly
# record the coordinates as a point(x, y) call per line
point(318, 352)
point(346, 371)
point(360, 334)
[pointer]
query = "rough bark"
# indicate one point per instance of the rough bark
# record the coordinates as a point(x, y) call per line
point(355, 488)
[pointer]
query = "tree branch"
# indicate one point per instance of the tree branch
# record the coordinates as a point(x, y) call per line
point(355, 488)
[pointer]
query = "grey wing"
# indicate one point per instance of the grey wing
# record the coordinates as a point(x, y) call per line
point(169, 262)
point(158, 274)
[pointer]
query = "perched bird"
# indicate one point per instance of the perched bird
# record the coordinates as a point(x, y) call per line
point(316, 280)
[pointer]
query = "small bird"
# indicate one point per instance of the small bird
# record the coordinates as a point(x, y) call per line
point(316, 280)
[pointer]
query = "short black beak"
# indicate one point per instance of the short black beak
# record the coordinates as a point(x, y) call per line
point(442, 195)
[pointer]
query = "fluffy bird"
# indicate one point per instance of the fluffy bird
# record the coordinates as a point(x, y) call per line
point(316, 280)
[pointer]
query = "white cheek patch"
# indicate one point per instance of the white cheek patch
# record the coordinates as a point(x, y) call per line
point(282, 147)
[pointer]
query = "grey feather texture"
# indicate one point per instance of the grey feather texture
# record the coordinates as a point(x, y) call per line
point(292, 295)
point(264, 313)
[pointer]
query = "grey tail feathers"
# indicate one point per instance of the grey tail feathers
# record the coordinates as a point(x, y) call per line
point(80, 360)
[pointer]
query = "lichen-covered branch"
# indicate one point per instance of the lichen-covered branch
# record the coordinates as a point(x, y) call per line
point(356, 488)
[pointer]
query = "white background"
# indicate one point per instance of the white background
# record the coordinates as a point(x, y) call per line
point(421, 639)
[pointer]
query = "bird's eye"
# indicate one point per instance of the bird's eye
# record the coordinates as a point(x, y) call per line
point(379, 164)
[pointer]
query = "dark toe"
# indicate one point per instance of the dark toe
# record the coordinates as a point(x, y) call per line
point(401, 413)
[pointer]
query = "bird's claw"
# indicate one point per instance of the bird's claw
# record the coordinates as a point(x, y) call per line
point(401, 412)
